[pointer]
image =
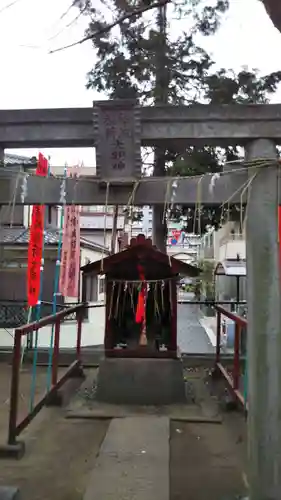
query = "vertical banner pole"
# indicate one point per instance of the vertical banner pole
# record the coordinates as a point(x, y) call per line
point(36, 265)
point(57, 277)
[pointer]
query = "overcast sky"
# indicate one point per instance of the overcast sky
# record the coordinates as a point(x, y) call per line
point(31, 77)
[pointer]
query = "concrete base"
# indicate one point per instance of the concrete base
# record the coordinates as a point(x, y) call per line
point(54, 399)
point(133, 461)
point(78, 373)
point(9, 493)
point(16, 450)
point(135, 381)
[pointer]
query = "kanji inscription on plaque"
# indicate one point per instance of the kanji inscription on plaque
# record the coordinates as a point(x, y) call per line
point(117, 140)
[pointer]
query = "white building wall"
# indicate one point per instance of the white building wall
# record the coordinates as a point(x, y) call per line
point(26, 215)
point(223, 244)
point(88, 255)
point(96, 221)
point(84, 171)
point(231, 249)
point(92, 329)
point(98, 237)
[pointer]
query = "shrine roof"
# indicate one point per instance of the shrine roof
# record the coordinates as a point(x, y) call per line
point(142, 248)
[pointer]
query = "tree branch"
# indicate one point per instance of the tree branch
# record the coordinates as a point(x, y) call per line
point(109, 27)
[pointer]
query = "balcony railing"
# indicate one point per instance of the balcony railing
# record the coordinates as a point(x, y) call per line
point(231, 237)
point(15, 313)
point(20, 417)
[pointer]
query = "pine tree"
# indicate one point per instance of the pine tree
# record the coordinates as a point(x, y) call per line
point(142, 57)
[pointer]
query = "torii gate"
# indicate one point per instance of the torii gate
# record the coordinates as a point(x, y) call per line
point(118, 129)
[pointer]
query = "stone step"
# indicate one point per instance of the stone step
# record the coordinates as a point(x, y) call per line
point(133, 463)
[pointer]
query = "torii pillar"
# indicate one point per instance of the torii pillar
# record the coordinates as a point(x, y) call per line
point(264, 327)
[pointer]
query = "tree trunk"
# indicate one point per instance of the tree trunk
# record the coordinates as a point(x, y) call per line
point(273, 8)
point(159, 228)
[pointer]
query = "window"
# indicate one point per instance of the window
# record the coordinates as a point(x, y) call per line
point(90, 289)
point(97, 209)
point(49, 214)
point(10, 264)
point(101, 285)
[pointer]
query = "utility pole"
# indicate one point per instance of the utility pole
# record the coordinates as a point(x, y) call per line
point(159, 225)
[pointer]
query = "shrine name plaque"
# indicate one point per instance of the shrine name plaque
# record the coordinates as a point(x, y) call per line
point(117, 135)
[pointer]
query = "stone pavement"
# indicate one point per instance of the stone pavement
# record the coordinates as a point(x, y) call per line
point(192, 337)
point(209, 323)
point(133, 461)
point(61, 453)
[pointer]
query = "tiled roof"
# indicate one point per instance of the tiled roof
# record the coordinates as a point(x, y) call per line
point(94, 245)
point(20, 236)
point(11, 160)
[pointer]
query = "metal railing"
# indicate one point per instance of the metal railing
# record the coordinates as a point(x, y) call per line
point(15, 313)
point(235, 372)
point(18, 424)
point(12, 314)
point(232, 372)
point(232, 304)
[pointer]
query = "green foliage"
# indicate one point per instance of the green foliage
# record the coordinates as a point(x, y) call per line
point(126, 54)
point(247, 87)
point(208, 216)
point(207, 282)
point(130, 54)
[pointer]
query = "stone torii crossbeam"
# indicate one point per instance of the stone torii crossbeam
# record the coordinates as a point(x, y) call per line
point(118, 129)
point(173, 126)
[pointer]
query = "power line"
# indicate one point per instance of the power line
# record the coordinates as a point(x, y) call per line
point(106, 29)
point(67, 26)
point(7, 6)
point(64, 14)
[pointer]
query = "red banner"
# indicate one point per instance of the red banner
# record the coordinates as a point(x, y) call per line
point(140, 312)
point(35, 247)
point(70, 256)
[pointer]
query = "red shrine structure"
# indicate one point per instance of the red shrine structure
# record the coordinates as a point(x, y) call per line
point(141, 300)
